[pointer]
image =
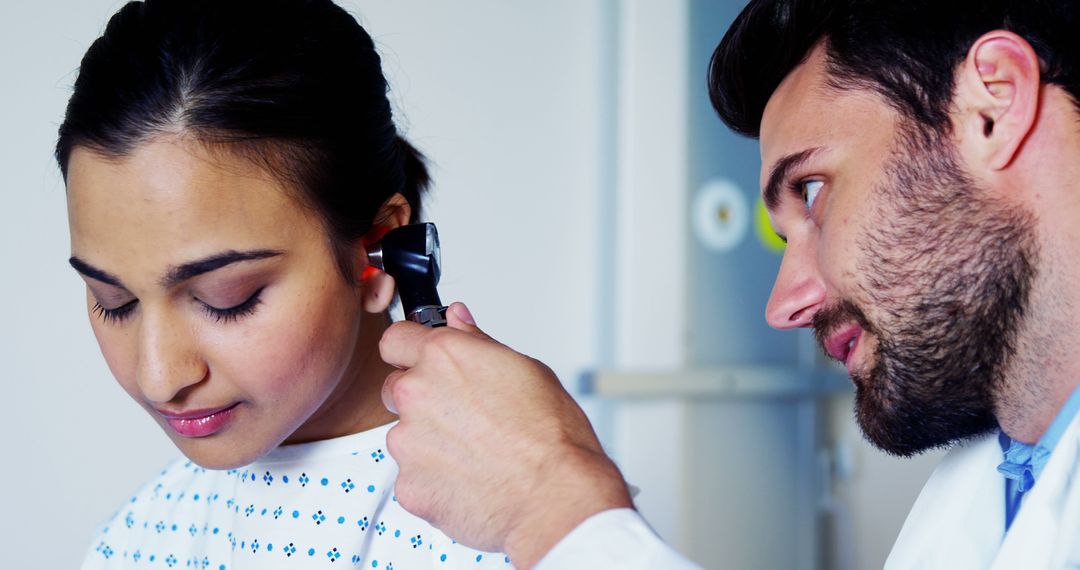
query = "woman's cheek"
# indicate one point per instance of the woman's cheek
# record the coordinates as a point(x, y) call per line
point(121, 355)
point(296, 354)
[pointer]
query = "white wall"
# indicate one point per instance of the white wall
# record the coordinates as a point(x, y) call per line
point(505, 97)
point(507, 100)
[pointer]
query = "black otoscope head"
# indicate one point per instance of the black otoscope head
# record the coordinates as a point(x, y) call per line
point(410, 254)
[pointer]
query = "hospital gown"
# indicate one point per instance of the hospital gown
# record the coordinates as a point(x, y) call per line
point(326, 504)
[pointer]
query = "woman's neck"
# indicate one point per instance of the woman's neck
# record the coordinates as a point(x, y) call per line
point(355, 405)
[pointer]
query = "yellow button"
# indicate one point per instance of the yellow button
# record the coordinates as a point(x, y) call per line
point(764, 229)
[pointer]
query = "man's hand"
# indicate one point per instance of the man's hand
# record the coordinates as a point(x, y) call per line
point(492, 449)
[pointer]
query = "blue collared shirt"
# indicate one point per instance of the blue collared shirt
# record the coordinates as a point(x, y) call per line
point(1024, 463)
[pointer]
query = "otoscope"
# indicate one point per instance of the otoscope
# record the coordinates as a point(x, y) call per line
point(410, 254)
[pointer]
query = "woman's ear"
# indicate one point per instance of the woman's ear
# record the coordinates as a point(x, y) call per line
point(376, 287)
point(998, 98)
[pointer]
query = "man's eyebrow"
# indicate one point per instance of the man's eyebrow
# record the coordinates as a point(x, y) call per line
point(780, 171)
point(195, 268)
point(94, 273)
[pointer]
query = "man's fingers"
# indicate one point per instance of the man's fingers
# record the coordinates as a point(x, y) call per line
point(403, 344)
point(400, 344)
point(459, 317)
point(388, 390)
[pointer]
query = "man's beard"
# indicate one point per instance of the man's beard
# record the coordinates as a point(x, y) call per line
point(948, 273)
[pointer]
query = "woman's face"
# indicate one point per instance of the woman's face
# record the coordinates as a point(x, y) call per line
point(217, 301)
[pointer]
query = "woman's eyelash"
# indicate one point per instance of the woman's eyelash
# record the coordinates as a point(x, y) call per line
point(227, 315)
point(116, 315)
point(232, 314)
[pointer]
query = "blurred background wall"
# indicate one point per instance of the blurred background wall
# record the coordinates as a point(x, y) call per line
point(593, 212)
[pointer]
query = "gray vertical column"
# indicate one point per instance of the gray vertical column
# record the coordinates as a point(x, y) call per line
point(753, 462)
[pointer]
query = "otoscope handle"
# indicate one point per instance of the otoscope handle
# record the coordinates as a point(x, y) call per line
point(428, 315)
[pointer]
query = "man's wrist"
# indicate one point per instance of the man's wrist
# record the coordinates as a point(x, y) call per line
point(580, 487)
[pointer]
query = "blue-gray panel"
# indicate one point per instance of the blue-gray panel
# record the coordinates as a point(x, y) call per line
point(747, 479)
point(728, 290)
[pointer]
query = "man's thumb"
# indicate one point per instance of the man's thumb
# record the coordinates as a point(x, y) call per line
point(458, 317)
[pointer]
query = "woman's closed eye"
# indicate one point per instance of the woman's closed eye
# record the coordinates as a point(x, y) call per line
point(235, 312)
point(120, 313)
point(114, 314)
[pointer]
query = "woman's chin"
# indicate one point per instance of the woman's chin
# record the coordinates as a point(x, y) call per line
point(219, 454)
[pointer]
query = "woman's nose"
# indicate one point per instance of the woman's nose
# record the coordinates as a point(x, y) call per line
point(169, 361)
point(798, 292)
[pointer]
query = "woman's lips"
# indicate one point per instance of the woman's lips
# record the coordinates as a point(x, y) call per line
point(199, 423)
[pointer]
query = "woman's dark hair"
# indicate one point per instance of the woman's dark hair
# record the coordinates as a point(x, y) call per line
point(295, 85)
point(905, 50)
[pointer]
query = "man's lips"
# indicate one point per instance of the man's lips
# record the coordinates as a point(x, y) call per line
point(842, 343)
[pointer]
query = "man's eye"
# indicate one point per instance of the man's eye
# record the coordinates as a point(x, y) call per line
point(809, 190)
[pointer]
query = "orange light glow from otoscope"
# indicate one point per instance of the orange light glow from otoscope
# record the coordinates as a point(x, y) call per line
point(369, 272)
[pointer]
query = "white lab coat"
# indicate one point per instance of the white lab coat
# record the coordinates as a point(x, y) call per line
point(958, 520)
point(957, 523)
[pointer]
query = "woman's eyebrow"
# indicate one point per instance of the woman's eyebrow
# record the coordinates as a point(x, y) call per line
point(191, 269)
point(180, 273)
point(94, 273)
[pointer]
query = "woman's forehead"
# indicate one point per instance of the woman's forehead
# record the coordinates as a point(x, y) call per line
point(174, 196)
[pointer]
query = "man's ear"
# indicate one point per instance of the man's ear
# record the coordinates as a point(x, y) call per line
point(376, 287)
point(997, 96)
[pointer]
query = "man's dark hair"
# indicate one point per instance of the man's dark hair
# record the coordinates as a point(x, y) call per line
point(905, 50)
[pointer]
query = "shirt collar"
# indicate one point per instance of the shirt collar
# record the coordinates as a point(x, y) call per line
point(1061, 423)
point(1021, 458)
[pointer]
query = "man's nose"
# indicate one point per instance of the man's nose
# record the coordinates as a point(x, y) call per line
point(798, 293)
point(169, 360)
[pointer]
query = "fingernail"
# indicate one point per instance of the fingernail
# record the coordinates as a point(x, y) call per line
point(464, 314)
